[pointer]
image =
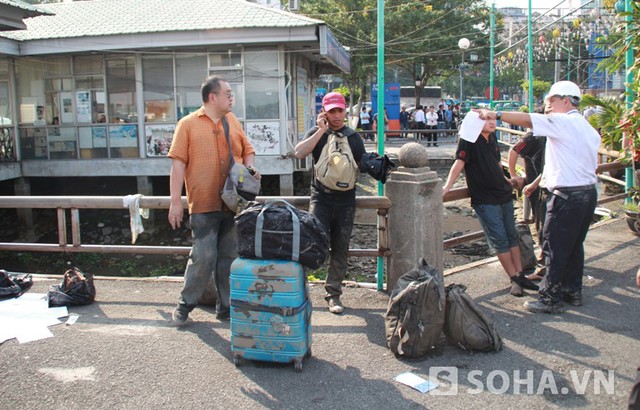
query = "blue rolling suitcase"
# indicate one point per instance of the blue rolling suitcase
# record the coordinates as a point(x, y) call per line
point(270, 312)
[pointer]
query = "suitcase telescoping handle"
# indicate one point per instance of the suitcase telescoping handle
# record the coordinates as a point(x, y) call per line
point(295, 222)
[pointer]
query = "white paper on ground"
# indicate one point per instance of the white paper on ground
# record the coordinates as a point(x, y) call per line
point(415, 381)
point(72, 319)
point(31, 333)
point(27, 318)
point(471, 126)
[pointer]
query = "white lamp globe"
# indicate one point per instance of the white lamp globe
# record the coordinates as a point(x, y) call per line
point(464, 43)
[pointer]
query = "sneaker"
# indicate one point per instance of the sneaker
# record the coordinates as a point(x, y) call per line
point(524, 283)
point(540, 307)
point(179, 317)
point(516, 290)
point(573, 298)
point(335, 306)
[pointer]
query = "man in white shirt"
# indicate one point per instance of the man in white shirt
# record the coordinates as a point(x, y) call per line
point(432, 124)
point(419, 120)
point(365, 122)
point(570, 173)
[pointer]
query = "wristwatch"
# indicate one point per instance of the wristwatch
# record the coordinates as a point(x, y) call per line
point(498, 115)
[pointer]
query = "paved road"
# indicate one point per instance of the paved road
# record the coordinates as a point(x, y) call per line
point(121, 354)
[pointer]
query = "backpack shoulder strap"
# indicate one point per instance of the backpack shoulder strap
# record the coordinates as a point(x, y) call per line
point(225, 127)
point(347, 132)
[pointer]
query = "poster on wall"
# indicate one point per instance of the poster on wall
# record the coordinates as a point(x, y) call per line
point(264, 136)
point(83, 106)
point(123, 136)
point(66, 111)
point(302, 102)
point(99, 137)
point(159, 137)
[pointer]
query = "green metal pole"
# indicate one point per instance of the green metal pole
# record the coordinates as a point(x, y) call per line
point(380, 131)
point(492, 53)
point(568, 64)
point(530, 59)
point(629, 177)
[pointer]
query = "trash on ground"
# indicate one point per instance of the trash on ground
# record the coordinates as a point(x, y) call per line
point(28, 317)
point(416, 382)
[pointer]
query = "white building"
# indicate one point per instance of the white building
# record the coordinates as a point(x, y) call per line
point(95, 88)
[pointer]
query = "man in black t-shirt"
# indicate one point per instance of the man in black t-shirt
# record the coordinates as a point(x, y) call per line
point(531, 149)
point(335, 209)
point(490, 193)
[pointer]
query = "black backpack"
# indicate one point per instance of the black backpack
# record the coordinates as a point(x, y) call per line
point(415, 315)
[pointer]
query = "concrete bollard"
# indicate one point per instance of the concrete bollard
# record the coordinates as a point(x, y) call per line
point(415, 219)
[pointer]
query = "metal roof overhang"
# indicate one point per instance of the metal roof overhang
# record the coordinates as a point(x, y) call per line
point(10, 47)
point(138, 41)
point(12, 16)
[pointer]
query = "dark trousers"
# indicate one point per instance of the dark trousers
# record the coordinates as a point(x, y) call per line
point(569, 214)
point(538, 201)
point(433, 136)
point(420, 126)
point(214, 249)
point(338, 221)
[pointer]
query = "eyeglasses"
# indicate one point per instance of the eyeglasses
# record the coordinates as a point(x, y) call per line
point(228, 94)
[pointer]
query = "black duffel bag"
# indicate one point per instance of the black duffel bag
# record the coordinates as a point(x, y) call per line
point(277, 230)
point(76, 289)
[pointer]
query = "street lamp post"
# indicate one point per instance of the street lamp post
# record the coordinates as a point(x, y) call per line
point(463, 44)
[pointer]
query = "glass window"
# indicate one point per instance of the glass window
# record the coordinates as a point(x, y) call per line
point(5, 107)
point(121, 90)
point(58, 66)
point(56, 90)
point(62, 143)
point(190, 72)
point(225, 58)
point(92, 64)
point(159, 102)
point(93, 142)
point(261, 84)
point(30, 90)
point(7, 147)
point(90, 106)
point(123, 141)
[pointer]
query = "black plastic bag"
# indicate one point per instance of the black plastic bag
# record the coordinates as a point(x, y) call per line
point(75, 289)
point(13, 285)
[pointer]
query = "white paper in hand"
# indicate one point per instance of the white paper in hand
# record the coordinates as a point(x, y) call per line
point(471, 127)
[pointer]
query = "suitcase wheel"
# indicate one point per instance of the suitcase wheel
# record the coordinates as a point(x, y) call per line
point(237, 360)
point(297, 365)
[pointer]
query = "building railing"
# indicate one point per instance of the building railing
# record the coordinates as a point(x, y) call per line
point(74, 204)
point(7, 145)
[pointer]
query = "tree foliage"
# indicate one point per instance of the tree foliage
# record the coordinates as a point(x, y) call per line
point(540, 87)
point(421, 37)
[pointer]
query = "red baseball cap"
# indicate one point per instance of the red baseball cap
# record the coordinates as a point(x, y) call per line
point(333, 100)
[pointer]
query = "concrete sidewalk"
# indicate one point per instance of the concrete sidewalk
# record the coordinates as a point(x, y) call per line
point(121, 354)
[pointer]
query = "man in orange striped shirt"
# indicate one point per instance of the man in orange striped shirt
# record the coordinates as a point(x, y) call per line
point(200, 160)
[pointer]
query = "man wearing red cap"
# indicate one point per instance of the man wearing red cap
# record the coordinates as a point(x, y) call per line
point(335, 209)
